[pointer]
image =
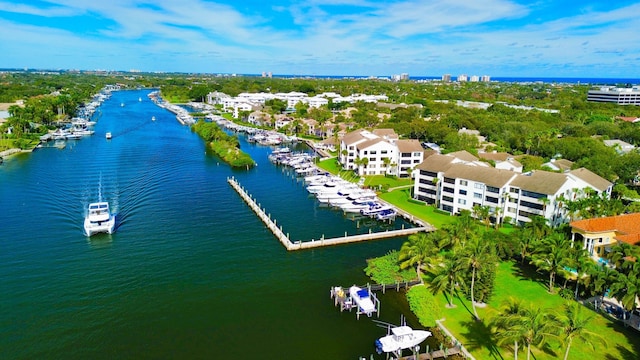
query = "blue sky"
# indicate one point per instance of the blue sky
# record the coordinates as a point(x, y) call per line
point(326, 37)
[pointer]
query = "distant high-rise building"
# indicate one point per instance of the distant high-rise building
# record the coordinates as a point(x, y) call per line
point(462, 78)
point(474, 78)
point(404, 76)
point(446, 78)
point(485, 78)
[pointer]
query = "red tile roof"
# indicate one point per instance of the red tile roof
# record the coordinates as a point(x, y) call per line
point(627, 227)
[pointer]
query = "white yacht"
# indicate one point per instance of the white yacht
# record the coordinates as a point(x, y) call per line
point(99, 219)
point(108, 135)
point(400, 338)
point(375, 209)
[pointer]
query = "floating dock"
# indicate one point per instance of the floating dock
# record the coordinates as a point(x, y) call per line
point(315, 243)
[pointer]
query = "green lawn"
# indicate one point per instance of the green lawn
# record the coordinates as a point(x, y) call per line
point(511, 281)
point(6, 144)
point(402, 199)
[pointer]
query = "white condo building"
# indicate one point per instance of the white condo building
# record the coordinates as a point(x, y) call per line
point(456, 182)
point(402, 156)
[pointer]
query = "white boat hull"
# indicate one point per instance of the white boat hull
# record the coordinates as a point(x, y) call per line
point(91, 228)
point(401, 337)
point(99, 219)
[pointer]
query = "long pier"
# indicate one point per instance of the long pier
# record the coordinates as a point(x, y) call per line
point(315, 243)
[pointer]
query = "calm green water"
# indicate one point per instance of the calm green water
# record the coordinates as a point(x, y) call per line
point(191, 272)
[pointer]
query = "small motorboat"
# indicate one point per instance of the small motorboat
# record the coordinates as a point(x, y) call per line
point(362, 298)
point(99, 219)
point(400, 338)
point(108, 135)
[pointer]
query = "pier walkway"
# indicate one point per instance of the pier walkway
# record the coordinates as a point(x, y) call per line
point(315, 243)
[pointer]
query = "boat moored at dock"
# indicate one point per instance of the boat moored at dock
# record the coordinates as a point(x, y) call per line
point(400, 338)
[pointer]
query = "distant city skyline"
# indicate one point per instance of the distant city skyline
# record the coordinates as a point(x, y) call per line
point(501, 38)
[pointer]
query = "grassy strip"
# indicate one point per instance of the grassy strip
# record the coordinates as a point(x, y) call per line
point(402, 199)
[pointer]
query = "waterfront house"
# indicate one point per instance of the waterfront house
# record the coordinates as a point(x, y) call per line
point(599, 234)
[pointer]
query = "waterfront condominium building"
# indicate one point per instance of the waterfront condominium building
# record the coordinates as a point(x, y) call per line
point(379, 152)
point(621, 96)
point(458, 181)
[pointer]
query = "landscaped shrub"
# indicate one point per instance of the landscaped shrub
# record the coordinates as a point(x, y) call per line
point(386, 270)
point(423, 304)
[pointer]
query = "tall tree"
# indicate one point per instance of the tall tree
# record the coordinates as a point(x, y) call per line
point(508, 323)
point(418, 251)
point(551, 256)
point(572, 325)
point(474, 256)
point(445, 275)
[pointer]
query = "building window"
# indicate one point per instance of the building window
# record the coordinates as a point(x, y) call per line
point(493, 189)
point(477, 195)
point(463, 182)
point(365, 152)
point(462, 201)
point(491, 199)
point(373, 152)
point(533, 194)
point(462, 192)
point(447, 189)
point(383, 151)
point(511, 209)
point(514, 190)
point(449, 180)
point(478, 186)
point(447, 198)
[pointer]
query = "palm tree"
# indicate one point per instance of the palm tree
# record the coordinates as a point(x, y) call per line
point(621, 254)
point(601, 279)
point(418, 251)
point(446, 275)
point(626, 289)
point(572, 324)
point(535, 326)
point(526, 242)
point(386, 161)
point(551, 256)
point(475, 255)
point(538, 226)
point(580, 260)
point(482, 213)
point(508, 323)
point(461, 230)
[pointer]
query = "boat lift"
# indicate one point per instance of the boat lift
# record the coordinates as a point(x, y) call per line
point(342, 298)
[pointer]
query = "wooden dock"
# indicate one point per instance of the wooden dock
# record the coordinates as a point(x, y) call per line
point(438, 354)
point(315, 243)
